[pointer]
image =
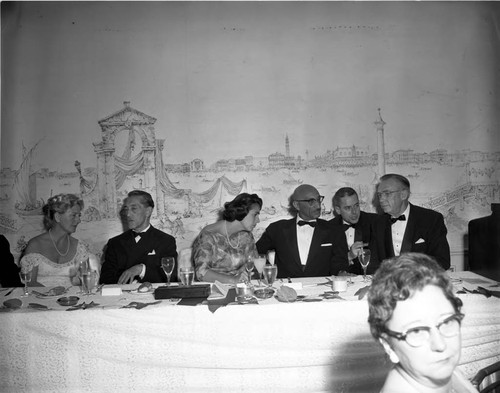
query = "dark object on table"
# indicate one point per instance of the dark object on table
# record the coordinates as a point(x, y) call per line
point(487, 380)
point(484, 244)
point(68, 300)
point(192, 291)
point(9, 271)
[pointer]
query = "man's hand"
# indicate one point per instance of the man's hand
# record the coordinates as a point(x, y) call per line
point(356, 249)
point(128, 275)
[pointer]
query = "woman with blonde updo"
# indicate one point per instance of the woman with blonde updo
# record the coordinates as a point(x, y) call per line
point(52, 256)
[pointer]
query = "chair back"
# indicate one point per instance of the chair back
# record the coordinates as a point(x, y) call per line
point(487, 380)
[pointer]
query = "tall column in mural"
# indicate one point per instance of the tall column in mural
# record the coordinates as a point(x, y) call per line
point(380, 144)
point(287, 146)
point(160, 196)
point(106, 186)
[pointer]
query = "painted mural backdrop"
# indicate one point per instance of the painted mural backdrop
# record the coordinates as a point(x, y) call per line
point(211, 100)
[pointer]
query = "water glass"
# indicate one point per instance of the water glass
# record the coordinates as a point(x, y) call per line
point(244, 292)
point(186, 275)
point(339, 283)
point(89, 281)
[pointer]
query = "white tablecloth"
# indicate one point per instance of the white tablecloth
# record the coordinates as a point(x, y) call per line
point(271, 347)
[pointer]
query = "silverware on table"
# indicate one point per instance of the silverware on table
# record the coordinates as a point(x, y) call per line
point(8, 293)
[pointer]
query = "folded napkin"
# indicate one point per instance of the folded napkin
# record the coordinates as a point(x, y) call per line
point(213, 305)
point(218, 290)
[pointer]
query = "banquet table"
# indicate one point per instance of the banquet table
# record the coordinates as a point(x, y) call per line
point(320, 345)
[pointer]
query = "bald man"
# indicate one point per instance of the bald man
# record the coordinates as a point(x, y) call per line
point(305, 245)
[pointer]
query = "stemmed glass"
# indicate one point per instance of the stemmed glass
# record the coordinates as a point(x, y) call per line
point(249, 265)
point(259, 262)
point(25, 276)
point(364, 260)
point(270, 273)
point(167, 264)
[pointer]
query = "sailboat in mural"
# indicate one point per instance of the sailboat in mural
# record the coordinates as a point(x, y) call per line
point(25, 187)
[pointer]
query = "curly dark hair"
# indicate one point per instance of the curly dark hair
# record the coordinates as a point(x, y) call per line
point(238, 208)
point(397, 279)
point(59, 204)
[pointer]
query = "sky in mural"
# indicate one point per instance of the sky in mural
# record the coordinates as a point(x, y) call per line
point(247, 74)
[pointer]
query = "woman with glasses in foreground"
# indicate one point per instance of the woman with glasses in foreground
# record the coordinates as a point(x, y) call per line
point(415, 315)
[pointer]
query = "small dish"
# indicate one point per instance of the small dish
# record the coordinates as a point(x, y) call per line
point(68, 300)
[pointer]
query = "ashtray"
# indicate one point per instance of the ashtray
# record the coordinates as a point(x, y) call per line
point(264, 293)
point(68, 300)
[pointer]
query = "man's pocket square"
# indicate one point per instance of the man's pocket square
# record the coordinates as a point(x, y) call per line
point(326, 245)
point(152, 253)
point(420, 241)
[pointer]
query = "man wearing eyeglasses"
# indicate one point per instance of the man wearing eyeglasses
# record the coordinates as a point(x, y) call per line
point(305, 246)
point(406, 227)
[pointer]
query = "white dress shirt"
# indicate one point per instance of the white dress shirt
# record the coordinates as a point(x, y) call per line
point(304, 238)
point(398, 231)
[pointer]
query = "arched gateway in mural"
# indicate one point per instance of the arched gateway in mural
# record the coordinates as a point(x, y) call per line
point(113, 169)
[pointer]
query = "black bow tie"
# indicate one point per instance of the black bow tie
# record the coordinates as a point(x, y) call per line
point(140, 234)
point(310, 223)
point(400, 218)
point(347, 226)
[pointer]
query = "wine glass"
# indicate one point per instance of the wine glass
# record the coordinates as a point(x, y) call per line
point(25, 276)
point(167, 264)
point(364, 260)
point(270, 273)
point(89, 281)
point(249, 265)
point(259, 262)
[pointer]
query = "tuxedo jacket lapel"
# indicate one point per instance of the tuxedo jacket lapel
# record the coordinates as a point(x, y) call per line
point(315, 243)
point(389, 248)
point(290, 233)
point(409, 233)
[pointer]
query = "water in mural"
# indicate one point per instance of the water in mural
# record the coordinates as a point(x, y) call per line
point(189, 195)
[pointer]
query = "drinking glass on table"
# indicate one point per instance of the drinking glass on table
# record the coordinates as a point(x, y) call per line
point(186, 274)
point(259, 263)
point(89, 281)
point(25, 276)
point(270, 273)
point(167, 264)
point(249, 265)
point(364, 260)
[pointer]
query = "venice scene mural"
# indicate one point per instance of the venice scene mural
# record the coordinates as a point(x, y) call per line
point(209, 131)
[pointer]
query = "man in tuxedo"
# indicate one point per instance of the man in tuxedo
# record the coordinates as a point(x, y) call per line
point(9, 271)
point(305, 246)
point(484, 244)
point(359, 228)
point(406, 227)
point(136, 254)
